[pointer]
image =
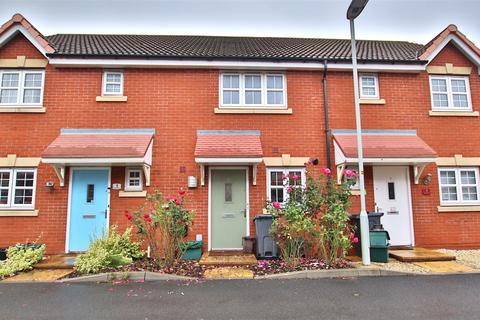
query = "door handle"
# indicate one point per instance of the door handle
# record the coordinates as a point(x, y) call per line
point(105, 213)
point(244, 213)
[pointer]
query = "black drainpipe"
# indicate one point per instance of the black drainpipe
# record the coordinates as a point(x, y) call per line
point(325, 112)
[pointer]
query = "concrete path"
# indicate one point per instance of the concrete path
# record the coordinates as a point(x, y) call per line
point(392, 298)
point(419, 255)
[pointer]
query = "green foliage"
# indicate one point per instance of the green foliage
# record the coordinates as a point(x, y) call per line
point(163, 222)
point(21, 258)
point(314, 220)
point(112, 250)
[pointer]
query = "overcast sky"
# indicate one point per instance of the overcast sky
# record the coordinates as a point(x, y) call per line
point(412, 20)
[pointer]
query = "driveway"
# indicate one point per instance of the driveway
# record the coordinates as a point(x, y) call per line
point(401, 297)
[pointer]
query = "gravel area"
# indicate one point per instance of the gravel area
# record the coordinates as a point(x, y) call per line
point(469, 258)
point(394, 265)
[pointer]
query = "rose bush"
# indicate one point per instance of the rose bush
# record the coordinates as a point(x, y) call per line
point(163, 223)
point(314, 220)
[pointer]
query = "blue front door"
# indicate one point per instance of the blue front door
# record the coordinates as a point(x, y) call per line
point(88, 207)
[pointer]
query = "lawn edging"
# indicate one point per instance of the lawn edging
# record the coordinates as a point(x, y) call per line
point(334, 273)
point(127, 276)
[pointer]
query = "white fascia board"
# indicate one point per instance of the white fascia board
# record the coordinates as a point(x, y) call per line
point(84, 161)
point(460, 45)
point(392, 161)
point(4, 38)
point(222, 64)
point(228, 160)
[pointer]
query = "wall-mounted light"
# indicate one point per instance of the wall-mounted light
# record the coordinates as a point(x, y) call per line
point(315, 162)
point(427, 179)
point(192, 182)
point(50, 185)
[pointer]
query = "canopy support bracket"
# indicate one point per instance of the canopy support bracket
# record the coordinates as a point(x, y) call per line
point(146, 172)
point(60, 172)
point(254, 175)
point(417, 172)
point(340, 170)
point(202, 175)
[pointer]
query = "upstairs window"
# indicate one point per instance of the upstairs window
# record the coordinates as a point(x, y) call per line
point(459, 186)
point(369, 86)
point(112, 83)
point(21, 87)
point(17, 188)
point(252, 90)
point(450, 93)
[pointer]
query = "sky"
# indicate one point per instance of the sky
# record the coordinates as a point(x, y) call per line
point(411, 20)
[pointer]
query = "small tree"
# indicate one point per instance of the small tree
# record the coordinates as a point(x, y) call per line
point(164, 218)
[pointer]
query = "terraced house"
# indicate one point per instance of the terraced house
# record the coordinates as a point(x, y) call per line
point(91, 123)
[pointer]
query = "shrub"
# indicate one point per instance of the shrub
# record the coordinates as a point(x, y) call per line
point(165, 218)
point(314, 220)
point(112, 250)
point(21, 258)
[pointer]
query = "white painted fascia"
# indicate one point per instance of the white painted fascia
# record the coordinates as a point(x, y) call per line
point(4, 38)
point(223, 64)
point(228, 160)
point(392, 161)
point(460, 45)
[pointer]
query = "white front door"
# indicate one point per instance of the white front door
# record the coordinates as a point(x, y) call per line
point(392, 197)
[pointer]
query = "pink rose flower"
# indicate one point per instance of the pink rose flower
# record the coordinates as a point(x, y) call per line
point(355, 240)
point(289, 190)
point(295, 177)
point(352, 235)
point(326, 171)
point(276, 205)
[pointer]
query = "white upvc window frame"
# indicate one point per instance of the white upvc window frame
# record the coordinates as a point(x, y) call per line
point(458, 185)
point(450, 93)
point(375, 86)
point(12, 188)
point(242, 90)
point(128, 187)
point(21, 87)
point(105, 83)
point(284, 171)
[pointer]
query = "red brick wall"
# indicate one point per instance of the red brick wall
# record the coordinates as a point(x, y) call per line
point(178, 102)
point(407, 107)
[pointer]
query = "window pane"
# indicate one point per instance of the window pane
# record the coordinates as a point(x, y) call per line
point(33, 80)
point(467, 177)
point(469, 193)
point(4, 179)
point(113, 88)
point(228, 192)
point(90, 192)
point(276, 194)
point(440, 100)
point(231, 81)
point(8, 96)
point(368, 81)
point(449, 193)
point(439, 85)
point(10, 80)
point(31, 96)
point(298, 178)
point(274, 82)
point(253, 97)
point(23, 196)
point(24, 179)
point(460, 101)
point(276, 178)
point(368, 91)
point(3, 196)
point(447, 177)
point(459, 86)
point(275, 97)
point(231, 97)
point(114, 77)
point(253, 82)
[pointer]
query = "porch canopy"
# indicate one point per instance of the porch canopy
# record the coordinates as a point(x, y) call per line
point(228, 147)
point(383, 147)
point(100, 147)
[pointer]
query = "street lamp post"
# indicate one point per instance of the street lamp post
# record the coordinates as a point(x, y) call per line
point(354, 10)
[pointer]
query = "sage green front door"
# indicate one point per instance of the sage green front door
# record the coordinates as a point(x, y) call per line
point(228, 208)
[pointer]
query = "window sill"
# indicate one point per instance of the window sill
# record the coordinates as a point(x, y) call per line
point(372, 101)
point(111, 99)
point(253, 111)
point(355, 192)
point(459, 208)
point(453, 113)
point(18, 213)
point(20, 109)
point(132, 194)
